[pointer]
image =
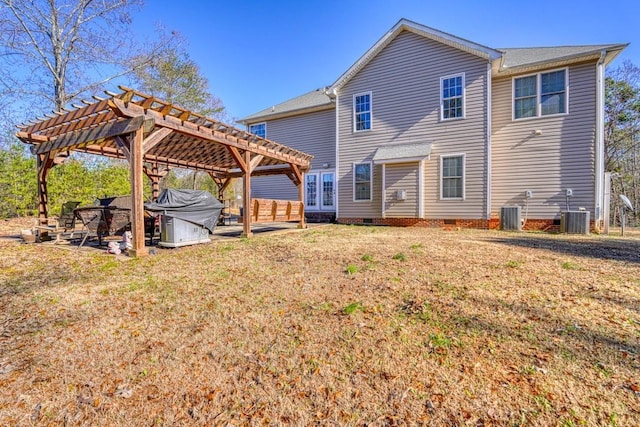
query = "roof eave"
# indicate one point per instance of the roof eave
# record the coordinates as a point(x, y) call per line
point(281, 115)
point(611, 52)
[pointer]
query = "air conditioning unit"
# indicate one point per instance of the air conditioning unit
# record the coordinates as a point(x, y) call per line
point(510, 218)
point(574, 222)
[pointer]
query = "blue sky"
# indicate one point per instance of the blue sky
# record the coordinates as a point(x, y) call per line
point(260, 53)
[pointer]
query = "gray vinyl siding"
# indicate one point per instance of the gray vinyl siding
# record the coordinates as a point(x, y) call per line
point(562, 157)
point(313, 133)
point(401, 177)
point(404, 80)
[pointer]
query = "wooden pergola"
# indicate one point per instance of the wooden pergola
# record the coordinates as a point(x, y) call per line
point(153, 136)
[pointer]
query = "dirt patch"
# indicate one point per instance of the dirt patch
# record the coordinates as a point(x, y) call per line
point(338, 325)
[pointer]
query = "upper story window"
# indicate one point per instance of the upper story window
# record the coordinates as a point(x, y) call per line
point(541, 94)
point(362, 111)
point(452, 97)
point(259, 129)
point(452, 176)
point(361, 181)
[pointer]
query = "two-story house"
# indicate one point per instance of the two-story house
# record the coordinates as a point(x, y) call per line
point(427, 128)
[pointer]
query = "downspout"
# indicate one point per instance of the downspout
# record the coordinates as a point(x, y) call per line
point(334, 93)
point(599, 148)
point(488, 212)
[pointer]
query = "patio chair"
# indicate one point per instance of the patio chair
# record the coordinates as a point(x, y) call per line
point(103, 221)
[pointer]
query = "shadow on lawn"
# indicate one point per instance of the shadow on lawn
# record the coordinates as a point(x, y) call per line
point(616, 250)
point(559, 333)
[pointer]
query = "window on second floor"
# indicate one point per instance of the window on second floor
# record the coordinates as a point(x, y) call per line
point(259, 129)
point(362, 112)
point(541, 94)
point(452, 97)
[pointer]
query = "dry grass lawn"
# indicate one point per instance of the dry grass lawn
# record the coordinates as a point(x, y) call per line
point(335, 325)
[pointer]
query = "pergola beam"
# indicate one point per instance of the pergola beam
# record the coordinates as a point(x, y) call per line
point(109, 130)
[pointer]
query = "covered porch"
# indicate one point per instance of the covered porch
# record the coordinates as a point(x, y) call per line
point(154, 136)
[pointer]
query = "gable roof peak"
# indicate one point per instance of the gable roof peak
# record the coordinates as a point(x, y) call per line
point(422, 30)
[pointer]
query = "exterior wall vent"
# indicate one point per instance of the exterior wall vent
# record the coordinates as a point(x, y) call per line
point(510, 218)
point(401, 195)
point(574, 222)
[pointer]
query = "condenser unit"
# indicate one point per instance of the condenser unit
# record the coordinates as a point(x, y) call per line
point(574, 222)
point(510, 218)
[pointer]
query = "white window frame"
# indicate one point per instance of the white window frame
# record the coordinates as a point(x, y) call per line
point(464, 89)
point(370, 182)
point(464, 175)
point(353, 111)
point(539, 94)
point(258, 124)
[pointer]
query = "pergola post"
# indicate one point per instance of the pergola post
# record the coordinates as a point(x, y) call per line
point(246, 196)
point(44, 162)
point(137, 193)
point(155, 182)
point(302, 223)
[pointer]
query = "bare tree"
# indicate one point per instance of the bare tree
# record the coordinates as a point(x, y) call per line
point(622, 134)
point(55, 51)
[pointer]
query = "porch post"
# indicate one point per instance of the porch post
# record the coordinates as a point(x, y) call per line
point(137, 196)
point(246, 196)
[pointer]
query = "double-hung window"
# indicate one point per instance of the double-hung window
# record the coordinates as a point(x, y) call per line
point(452, 97)
point(259, 129)
point(362, 112)
point(452, 176)
point(541, 94)
point(361, 181)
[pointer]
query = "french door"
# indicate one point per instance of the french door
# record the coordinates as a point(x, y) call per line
point(320, 191)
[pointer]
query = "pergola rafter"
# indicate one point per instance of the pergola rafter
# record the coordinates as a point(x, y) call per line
point(154, 135)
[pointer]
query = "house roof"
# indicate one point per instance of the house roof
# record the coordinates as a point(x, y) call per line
point(398, 153)
point(316, 100)
point(504, 61)
point(528, 58)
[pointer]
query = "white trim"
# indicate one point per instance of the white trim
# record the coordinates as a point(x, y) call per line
point(421, 189)
point(489, 130)
point(353, 112)
point(464, 97)
point(599, 142)
point(337, 151)
point(258, 124)
point(464, 176)
point(370, 199)
point(539, 94)
point(384, 191)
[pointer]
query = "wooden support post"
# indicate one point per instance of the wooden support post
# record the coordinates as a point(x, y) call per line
point(137, 195)
point(301, 224)
point(155, 182)
point(45, 163)
point(246, 196)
